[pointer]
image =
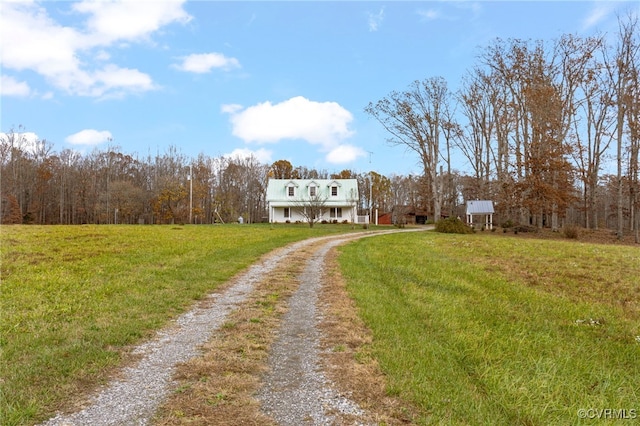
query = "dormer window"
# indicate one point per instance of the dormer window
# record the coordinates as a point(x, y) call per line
point(312, 191)
point(291, 191)
point(334, 191)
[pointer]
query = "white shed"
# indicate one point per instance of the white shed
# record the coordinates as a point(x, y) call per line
point(480, 208)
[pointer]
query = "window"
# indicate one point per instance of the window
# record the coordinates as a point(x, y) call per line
point(334, 191)
point(312, 191)
point(287, 213)
point(336, 213)
point(291, 191)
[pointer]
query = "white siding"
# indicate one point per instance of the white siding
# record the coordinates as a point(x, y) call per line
point(278, 198)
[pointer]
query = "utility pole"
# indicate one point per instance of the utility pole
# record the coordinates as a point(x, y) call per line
point(370, 188)
point(190, 193)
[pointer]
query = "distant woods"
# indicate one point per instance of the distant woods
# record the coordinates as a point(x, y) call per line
point(40, 186)
point(550, 131)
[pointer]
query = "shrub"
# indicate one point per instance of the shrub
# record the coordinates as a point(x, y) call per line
point(453, 225)
point(571, 232)
point(508, 224)
point(525, 228)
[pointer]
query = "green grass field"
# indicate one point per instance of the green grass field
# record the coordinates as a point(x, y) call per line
point(73, 297)
point(475, 329)
point(485, 329)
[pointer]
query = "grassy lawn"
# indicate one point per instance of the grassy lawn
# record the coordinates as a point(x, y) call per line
point(488, 329)
point(73, 298)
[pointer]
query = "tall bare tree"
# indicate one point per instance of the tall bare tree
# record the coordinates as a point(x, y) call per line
point(414, 119)
point(478, 105)
point(594, 133)
point(623, 69)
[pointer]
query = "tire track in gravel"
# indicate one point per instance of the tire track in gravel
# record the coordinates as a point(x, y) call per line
point(296, 391)
point(134, 396)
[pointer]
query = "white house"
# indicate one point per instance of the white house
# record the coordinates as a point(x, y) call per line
point(334, 199)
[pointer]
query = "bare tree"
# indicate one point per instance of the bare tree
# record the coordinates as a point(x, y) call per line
point(414, 120)
point(594, 134)
point(622, 71)
point(353, 203)
point(475, 97)
point(311, 207)
point(630, 38)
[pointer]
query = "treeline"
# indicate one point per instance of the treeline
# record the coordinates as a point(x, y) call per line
point(41, 186)
point(537, 122)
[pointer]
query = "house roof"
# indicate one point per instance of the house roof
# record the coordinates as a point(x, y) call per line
point(347, 192)
point(480, 207)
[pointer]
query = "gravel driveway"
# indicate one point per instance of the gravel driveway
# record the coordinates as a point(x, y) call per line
point(294, 392)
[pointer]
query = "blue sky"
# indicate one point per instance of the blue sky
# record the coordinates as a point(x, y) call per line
point(281, 80)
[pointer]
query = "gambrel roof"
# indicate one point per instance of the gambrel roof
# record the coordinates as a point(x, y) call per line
point(277, 194)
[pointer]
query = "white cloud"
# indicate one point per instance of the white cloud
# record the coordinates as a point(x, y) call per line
point(89, 137)
point(115, 79)
point(230, 108)
point(323, 123)
point(429, 14)
point(344, 154)
point(102, 55)
point(20, 139)
point(9, 86)
point(598, 13)
point(130, 20)
point(375, 20)
point(31, 40)
point(262, 155)
point(204, 62)
point(452, 11)
point(28, 142)
point(64, 55)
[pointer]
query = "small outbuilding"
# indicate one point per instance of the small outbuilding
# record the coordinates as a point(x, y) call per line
point(409, 215)
point(480, 208)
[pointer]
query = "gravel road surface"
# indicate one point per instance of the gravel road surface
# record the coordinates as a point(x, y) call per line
point(295, 392)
